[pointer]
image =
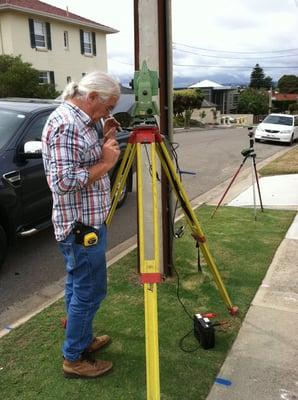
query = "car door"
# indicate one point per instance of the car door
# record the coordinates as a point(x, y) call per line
point(296, 127)
point(36, 195)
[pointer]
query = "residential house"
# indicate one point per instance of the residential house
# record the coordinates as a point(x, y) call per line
point(61, 45)
point(225, 97)
point(282, 101)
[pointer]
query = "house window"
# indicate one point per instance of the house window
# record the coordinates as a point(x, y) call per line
point(65, 37)
point(68, 79)
point(88, 43)
point(83, 74)
point(40, 34)
point(46, 77)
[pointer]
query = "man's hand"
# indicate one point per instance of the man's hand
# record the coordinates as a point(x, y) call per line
point(110, 127)
point(109, 156)
point(110, 152)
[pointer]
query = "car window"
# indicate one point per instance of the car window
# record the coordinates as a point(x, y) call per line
point(279, 120)
point(296, 121)
point(9, 124)
point(35, 129)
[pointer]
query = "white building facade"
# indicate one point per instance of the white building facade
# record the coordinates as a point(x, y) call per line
point(62, 46)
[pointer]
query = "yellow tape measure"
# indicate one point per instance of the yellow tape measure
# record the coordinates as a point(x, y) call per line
point(90, 239)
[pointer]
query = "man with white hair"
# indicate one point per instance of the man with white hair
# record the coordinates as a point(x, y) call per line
point(76, 167)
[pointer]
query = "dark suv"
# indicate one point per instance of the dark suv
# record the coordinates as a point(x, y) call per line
point(25, 199)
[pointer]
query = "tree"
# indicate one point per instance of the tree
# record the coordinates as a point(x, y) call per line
point(288, 84)
point(253, 101)
point(268, 83)
point(293, 108)
point(258, 79)
point(19, 79)
point(184, 102)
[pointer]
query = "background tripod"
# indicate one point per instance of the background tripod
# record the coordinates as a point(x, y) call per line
point(247, 153)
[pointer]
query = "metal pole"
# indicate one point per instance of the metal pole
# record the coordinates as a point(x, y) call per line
point(270, 101)
point(253, 187)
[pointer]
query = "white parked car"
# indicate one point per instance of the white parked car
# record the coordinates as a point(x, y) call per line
point(278, 128)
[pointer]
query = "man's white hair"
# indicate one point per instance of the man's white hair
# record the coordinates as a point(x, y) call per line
point(97, 81)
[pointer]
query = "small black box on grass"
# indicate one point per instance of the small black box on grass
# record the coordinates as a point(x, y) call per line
point(204, 331)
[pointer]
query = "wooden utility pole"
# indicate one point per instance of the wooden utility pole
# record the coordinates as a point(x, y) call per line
point(153, 43)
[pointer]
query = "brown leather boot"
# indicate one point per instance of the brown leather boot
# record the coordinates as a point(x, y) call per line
point(86, 368)
point(98, 342)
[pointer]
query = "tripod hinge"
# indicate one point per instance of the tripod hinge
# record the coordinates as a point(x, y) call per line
point(199, 238)
point(151, 277)
point(145, 134)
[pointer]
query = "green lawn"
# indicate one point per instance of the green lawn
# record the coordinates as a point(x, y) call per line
point(30, 357)
point(285, 164)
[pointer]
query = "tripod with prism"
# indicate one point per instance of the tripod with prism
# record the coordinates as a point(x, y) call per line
point(247, 153)
point(146, 133)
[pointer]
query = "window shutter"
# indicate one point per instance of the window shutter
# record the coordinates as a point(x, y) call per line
point(31, 30)
point(94, 43)
point(82, 41)
point(52, 78)
point(49, 40)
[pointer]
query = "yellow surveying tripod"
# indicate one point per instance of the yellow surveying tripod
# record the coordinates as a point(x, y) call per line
point(150, 274)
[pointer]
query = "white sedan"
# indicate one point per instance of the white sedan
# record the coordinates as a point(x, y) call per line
point(278, 128)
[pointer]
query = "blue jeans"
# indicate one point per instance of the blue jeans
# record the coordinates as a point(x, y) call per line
point(85, 288)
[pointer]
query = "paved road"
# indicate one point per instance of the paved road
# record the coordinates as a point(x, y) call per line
point(34, 263)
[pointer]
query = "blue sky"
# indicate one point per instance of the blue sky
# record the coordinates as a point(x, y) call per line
point(213, 39)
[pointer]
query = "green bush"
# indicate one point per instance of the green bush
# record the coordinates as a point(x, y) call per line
point(19, 79)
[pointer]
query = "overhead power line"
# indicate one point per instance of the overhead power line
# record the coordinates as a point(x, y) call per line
point(233, 66)
point(234, 58)
point(235, 52)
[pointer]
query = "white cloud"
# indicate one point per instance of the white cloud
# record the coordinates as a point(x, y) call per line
point(226, 25)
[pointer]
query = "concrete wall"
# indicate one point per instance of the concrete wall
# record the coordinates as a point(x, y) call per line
point(6, 28)
point(240, 119)
point(16, 40)
point(209, 118)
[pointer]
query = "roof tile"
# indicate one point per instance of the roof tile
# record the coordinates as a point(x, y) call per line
point(285, 96)
point(40, 6)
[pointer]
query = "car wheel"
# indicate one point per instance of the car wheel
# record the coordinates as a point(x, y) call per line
point(3, 245)
point(291, 142)
point(123, 194)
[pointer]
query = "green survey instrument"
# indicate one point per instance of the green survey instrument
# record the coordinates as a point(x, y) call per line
point(145, 86)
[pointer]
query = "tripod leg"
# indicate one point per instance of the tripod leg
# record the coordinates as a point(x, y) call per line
point(197, 232)
point(150, 275)
point(258, 184)
point(120, 180)
point(227, 189)
point(253, 188)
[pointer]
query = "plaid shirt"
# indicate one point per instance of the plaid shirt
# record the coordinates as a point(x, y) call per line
point(70, 145)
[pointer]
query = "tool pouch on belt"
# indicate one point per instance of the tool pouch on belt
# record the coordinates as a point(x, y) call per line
point(85, 235)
